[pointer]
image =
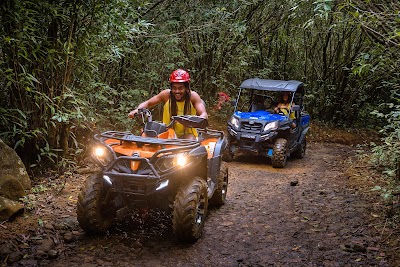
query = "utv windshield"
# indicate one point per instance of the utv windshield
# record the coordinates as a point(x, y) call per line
point(263, 95)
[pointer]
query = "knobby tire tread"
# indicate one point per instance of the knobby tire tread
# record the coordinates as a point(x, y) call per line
point(185, 210)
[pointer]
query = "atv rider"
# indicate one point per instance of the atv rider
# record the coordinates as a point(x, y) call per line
point(179, 100)
point(285, 107)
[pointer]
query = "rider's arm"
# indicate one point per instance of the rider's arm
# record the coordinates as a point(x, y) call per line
point(198, 104)
point(278, 107)
point(161, 97)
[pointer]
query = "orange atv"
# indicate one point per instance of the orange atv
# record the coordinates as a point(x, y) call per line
point(156, 171)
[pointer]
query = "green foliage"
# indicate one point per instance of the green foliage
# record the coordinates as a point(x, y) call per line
point(322, 8)
point(387, 154)
point(50, 51)
point(386, 194)
point(29, 201)
point(111, 105)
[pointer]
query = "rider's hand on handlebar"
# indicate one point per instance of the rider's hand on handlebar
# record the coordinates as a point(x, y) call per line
point(133, 113)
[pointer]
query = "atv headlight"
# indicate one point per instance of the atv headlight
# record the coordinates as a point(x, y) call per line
point(180, 160)
point(102, 155)
point(99, 152)
point(271, 126)
point(235, 122)
point(171, 161)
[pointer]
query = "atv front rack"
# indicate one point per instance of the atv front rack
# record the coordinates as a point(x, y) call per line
point(167, 146)
point(130, 137)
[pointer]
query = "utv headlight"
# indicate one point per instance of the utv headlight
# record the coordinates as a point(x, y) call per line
point(271, 126)
point(235, 122)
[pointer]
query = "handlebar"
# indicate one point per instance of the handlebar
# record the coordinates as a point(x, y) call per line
point(146, 115)
point(191, 121)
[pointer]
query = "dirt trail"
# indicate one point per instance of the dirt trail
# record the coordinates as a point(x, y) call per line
point(302, 215)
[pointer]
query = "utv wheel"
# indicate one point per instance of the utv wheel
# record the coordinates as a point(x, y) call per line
point(279, 155)
point(190, 210)
point(301, 151)
point(94, 213)
point(227, 156)
point(218, 199)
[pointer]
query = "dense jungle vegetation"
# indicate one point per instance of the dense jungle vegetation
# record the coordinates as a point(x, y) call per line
point(69, 67)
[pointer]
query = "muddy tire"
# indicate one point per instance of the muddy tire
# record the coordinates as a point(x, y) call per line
point(279, 155)
point(227, 155)
point(93, 213)
point(301, 151)
point(219, 196)
point(190, 211)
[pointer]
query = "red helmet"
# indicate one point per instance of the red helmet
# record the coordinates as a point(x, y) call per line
point(179, 76)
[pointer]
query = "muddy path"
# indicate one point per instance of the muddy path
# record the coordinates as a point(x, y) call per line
point(303, 215)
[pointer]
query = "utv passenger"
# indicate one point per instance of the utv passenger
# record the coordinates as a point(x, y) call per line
point(285, 107)
point(179, 100)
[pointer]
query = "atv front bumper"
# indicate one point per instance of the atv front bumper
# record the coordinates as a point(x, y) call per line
point(150, 176)
point(135, 185)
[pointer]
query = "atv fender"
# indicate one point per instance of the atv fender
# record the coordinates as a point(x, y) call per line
point(199, 158)
point(215, 162)
point(198, 152)
point(220, 146)
point(303, 135)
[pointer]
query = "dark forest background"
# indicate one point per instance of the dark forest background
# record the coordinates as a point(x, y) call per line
point(70, 67)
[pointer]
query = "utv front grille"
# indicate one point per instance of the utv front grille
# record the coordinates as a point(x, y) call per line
point(251, 126)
